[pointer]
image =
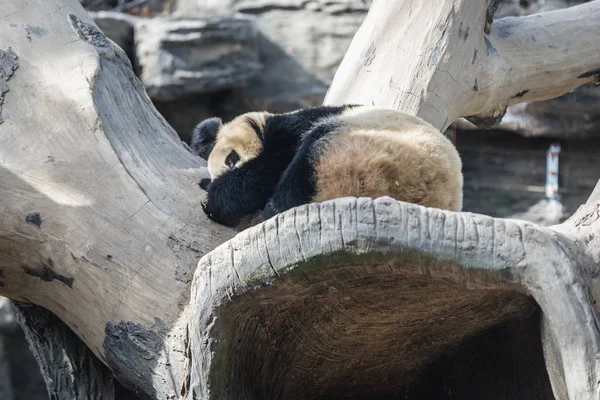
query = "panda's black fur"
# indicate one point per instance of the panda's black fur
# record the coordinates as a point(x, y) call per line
point(262, 164)
point(245, 191)
point(297, 184)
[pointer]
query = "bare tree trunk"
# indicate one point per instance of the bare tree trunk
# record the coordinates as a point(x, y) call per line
point(101, 222)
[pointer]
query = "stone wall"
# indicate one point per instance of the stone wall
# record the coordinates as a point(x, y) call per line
point(505, 174)
point(226, 57)
point(286, 63)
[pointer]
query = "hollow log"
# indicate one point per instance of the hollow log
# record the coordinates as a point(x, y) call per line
point(352, 298)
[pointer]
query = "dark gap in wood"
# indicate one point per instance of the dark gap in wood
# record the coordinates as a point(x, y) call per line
point(383, 331)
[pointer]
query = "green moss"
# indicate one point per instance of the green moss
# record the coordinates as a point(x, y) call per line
point(219, 367)
point(344, 258)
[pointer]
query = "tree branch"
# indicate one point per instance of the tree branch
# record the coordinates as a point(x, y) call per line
point(538, 57)
point(530, 58)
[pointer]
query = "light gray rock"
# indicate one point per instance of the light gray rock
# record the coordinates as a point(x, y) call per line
point(302, 43)
point(526, 7)
point(316, 38)
point(575, 115)
point(316, 33)
point(260, 6)
point(176, 58)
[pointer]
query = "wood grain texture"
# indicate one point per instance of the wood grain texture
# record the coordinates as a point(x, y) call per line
point(404, 57)
point(101, 224)
point(311, 258)
point(118, 227)
point(81, 376)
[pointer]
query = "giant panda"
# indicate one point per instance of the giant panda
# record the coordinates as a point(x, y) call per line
point(262, 164)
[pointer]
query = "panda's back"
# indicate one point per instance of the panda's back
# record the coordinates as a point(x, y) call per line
point(379, 152)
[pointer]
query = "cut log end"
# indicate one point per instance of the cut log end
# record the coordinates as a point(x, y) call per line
point(356, 298)
point(371, 329)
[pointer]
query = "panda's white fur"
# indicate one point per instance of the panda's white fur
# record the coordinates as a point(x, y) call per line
point(236, 135)
point(284, 160)
point(377, 151)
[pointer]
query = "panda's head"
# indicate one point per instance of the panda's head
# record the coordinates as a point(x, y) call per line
point(228, 146)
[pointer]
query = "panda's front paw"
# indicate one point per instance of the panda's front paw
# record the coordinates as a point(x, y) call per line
point(217, 215)
point(205, 208)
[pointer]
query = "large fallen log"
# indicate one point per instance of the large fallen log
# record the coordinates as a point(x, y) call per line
point(101, 225)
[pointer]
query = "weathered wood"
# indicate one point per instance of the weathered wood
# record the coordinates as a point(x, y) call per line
point(584, 226)
point(100, 210)
point(404, 56)
point(101, 224)
point(70, 370)
point(376, 269)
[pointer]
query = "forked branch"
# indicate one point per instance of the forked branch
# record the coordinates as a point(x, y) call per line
point(404, 56)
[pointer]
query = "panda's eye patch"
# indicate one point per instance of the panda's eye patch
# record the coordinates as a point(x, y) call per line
point(232, 159)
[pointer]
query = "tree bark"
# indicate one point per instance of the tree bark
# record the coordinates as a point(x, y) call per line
point(434, 60)
point(70, 370)
point(101, 219)
point(101, 222)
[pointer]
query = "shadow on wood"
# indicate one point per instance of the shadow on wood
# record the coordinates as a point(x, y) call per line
point(380, 330)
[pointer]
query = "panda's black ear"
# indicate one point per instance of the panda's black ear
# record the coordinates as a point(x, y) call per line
point(205, 135)
point(232, 159)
